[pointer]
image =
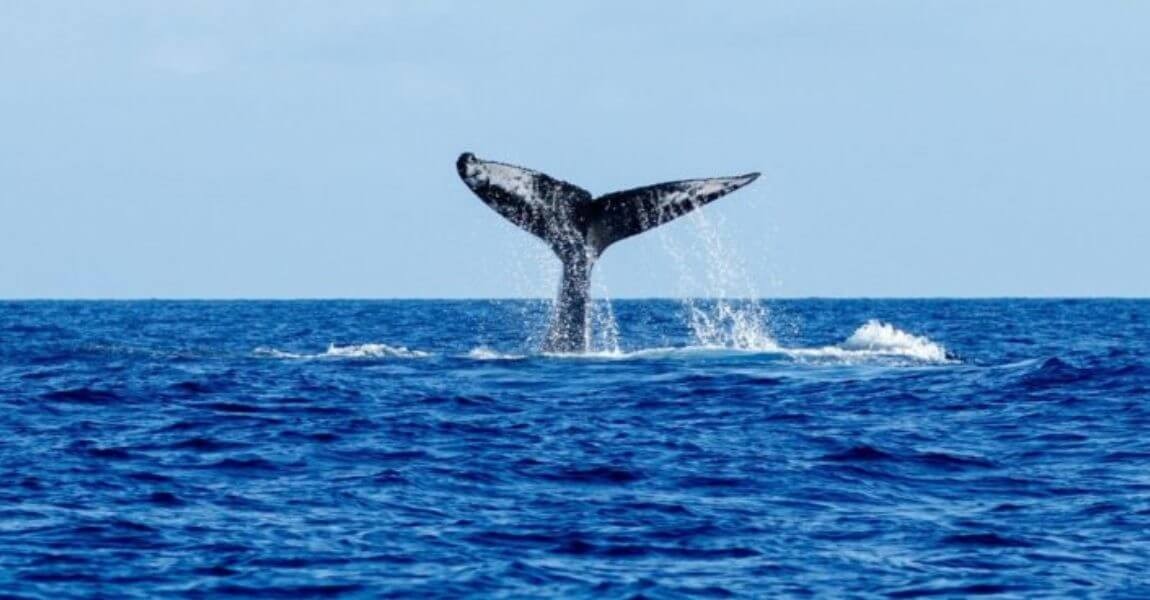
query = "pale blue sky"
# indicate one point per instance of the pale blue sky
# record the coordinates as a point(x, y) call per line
point(306, 149)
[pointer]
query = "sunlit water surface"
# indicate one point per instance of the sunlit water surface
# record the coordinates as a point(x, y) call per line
point(901, 448)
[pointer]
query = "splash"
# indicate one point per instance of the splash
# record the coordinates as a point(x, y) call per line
point(876, 341)
point(735, 324)
point(534, 270)
point(883, 338)
point(731, 316)
point(604, 329)
point(873, 343)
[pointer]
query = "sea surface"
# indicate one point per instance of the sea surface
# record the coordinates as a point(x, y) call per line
point(705, 449)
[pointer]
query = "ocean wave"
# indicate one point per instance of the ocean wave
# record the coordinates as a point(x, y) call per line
point(626, 465)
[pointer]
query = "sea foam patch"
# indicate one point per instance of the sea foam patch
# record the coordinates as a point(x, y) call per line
point(485, 353)
point(876, 340)
point(876, 336)
point(873, 342)
point(350, 351)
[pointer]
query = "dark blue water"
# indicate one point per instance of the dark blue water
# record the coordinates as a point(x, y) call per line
point(369, 448)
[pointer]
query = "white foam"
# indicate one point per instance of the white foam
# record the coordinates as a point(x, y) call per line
point(485, 353)
point(373, 351)
point(274, 353)
point(874, 342)
point(878, 340)
point(664, 352)
point(876, 336)
point(352, 351)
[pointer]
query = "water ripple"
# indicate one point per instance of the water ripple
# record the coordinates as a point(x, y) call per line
point(365, 449)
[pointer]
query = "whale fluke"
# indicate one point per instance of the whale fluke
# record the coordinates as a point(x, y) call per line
point(579, 227)
point(620, 215)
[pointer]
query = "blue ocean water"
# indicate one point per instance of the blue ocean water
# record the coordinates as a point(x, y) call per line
point(348, 448)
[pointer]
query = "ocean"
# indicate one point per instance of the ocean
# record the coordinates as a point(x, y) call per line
point(875, 448)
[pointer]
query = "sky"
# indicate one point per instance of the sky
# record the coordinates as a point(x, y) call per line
point(251, 149)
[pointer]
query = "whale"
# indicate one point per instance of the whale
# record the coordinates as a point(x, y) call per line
point(579, 227)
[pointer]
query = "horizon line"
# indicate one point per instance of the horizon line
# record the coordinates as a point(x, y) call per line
point(538, 298)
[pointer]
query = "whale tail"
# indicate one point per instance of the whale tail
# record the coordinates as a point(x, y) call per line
point(579, 227)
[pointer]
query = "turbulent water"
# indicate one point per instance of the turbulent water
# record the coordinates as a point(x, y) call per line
point(901, 448)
